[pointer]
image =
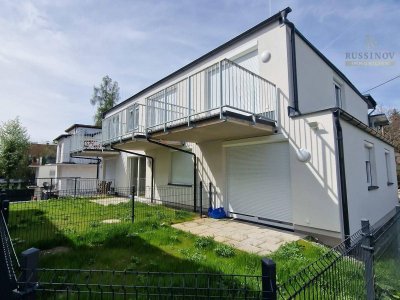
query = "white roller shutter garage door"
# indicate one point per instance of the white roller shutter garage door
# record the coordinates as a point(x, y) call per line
point(258, 180)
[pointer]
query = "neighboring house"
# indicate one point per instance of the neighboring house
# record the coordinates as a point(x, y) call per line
point(78, 163)
point(280, 133)
point(41, 154)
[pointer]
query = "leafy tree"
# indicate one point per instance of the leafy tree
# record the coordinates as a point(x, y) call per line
point(105, 97)
point(392, 131)
point(14, 146)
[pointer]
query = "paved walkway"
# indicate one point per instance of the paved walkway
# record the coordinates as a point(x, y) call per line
point(245, 236)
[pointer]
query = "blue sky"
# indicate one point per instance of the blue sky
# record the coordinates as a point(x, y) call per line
point(53, 52)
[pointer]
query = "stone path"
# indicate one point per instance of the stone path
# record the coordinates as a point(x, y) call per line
point(253, 238)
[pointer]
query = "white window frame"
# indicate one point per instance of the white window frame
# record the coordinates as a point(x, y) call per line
point(338, 87)
point(179, 179)
point(370, 166)
point(388, 167)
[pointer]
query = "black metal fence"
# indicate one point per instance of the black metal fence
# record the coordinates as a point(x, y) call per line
point(364, 266)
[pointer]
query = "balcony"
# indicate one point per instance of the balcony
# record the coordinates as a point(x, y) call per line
point(223, 101)
point(88, 144)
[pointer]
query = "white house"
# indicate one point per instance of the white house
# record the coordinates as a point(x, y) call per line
point(78, 163)
point(278, 132)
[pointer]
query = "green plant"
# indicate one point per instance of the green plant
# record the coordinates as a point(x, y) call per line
point(204, 242)
point(224, 251)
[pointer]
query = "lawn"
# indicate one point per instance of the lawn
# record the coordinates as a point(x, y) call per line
point(80, 234)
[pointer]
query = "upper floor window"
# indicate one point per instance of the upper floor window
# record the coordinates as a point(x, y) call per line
point(388, 168)
point(370, 167)
point(338, 95)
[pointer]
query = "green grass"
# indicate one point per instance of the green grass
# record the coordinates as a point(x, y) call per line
point(150, 244)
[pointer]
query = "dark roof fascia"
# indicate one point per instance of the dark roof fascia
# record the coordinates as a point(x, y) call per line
point(367, 98)
point(61, 136)
point(83, 126)
point(352, 120)
point(364, 127)
point(231, 42)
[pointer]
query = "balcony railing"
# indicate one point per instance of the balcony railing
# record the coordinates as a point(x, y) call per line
point(218, 88)
point(86, 141)
point(224, 86)
point(123, 124)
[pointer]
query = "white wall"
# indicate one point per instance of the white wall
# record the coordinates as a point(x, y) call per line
point(362, 203)
point(315, 81)
point(75, 170)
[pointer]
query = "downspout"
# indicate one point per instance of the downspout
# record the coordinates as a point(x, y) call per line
point(342, 174)
point(194, 167)
point(96, 159)
point(152, 167)
point(292, 111)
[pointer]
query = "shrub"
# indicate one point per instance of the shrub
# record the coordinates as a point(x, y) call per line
point(224, 251)
point(204, 242)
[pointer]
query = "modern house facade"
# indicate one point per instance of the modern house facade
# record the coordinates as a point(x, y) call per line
point(266, 121)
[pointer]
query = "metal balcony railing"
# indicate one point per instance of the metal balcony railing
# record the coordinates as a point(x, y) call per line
point(126, 123)
point(224, 86)
point(86, 141)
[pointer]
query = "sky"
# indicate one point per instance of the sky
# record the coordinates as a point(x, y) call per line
point(52, 53)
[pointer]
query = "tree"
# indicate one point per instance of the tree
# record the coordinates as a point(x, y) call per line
point(392, 131)
point(14, 146)
point(105, 97)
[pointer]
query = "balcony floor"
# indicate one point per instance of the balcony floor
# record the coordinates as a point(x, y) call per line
point(231, 127)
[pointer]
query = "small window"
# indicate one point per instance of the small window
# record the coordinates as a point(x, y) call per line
point(388, 168)
point(181, 168)
point(338, 95)
point(370, 167)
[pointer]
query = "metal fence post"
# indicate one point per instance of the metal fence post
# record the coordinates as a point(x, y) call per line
point(368, 256)
point(133, 191)
point(5, 209)
point(398, 228)
point(75, 187)
point(268, 272)
point(29, 264)
point(201, 198)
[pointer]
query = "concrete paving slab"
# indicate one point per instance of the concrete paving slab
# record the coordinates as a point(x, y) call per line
point(253, 238)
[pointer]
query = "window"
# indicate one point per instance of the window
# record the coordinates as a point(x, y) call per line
point(370, 168)
point(181, 168)
point(388, 168)
point(338, 95)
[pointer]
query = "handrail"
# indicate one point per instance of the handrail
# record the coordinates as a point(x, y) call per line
point(223, 84)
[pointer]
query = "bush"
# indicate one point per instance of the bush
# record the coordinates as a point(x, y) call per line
point(204, 242)
point(224, 251)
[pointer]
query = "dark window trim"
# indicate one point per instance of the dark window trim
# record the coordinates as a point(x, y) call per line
point(389, 183)
point(373, 187)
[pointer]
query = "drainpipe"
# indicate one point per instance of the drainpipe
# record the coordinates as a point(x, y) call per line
point(194, 167)
point(90, 158)
point(342, 173)
point(152, 167)
point(292, 111)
